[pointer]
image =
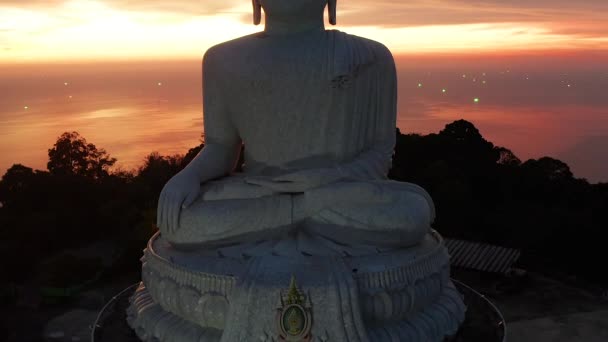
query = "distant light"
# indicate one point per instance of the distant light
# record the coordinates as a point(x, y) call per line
point(443, 90)
point(474, 80)
point(569, 85)
point(484, 73)
point(160, 84)
point(419, 85)
point(464, 76)
point(65, 83)
point(26, 107)
point(70, 96)
point(484, 81)
point(476, 100)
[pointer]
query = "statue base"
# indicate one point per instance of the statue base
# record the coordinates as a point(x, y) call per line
point(483, 321)
point(397, 295)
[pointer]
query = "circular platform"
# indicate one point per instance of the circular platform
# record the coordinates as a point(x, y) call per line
point(483, 321)
point(379, 296)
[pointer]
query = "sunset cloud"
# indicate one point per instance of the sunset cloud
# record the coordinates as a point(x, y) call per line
point(186, 7)
point(34, 30)
point(462, 12)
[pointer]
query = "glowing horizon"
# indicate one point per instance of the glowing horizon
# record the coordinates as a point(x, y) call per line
point(93, 30)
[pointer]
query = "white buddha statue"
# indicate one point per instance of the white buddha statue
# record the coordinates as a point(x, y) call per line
point(316, 111)
point(311, 242)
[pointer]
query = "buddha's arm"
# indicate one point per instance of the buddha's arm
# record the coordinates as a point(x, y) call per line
point(372, 164)
point(213, 161)
point(222, 142)
point(218, 157)
point(375, 162)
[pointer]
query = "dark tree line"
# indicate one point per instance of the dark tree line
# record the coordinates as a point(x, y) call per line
point(482, 192)
point(77, 201)
point(485, 193)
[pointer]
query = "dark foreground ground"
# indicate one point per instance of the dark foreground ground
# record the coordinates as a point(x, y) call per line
point(536, 308)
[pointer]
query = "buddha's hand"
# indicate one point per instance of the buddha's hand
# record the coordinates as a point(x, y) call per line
point(299, 181)
point(179, 192)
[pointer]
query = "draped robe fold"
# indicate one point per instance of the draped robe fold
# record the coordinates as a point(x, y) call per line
point(333, 105)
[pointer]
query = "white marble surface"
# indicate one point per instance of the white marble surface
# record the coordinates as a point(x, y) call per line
point(398, 295)
point(316, 112)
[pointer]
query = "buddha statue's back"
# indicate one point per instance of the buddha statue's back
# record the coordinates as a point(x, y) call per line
point(287, 99)
point(316, 112)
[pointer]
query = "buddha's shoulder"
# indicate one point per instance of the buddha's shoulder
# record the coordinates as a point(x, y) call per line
point(375, 47)
point(231, 48)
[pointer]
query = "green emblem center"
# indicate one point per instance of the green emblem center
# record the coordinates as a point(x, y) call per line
point(294, 320)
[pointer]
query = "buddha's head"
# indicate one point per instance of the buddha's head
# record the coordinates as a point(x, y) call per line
point(301, 9)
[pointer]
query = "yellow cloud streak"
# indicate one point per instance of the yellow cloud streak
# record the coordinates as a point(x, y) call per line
point(90, 30)
point(465, 38)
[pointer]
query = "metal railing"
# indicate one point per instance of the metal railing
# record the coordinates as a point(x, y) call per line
point(494, 307)
point(107, 306)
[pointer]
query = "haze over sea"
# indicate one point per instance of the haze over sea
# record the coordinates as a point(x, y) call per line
point(532, 105)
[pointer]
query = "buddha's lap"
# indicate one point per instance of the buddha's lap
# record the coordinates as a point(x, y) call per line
point(232, 187)
point(384, 202)
point(398, 211)
point(237, 187)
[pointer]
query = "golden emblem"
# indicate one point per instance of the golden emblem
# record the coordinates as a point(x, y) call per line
point(294, 315)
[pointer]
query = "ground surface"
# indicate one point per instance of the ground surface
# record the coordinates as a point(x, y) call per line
point(538, 309)
point(482, 323)
point(541, 309)
point(68, 321)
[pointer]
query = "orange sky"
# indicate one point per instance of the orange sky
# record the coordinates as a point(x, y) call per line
point(79, 65)
point(533, 105)
point(59, 30)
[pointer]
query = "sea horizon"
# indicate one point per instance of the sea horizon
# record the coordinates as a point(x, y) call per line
point(534, 106)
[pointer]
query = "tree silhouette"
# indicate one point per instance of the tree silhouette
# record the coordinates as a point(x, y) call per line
point(507, 157)
point(158, 169)
point(461, 130)
point(482, 192)
point(548, 168)
point(19, 186)
point(464, 146)
point(16, 181)
point(72, 155)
